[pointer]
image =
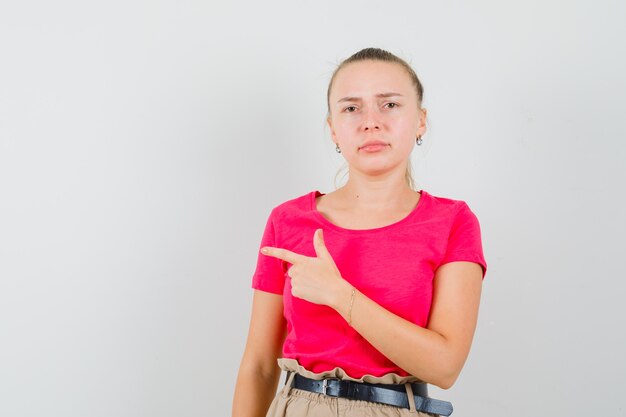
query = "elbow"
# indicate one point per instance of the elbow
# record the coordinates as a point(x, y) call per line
point(446, 379)
point(444, 383)
point(449, 371)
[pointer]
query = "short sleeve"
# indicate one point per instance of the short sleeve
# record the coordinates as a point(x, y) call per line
point(269, 275)
point(464, 241)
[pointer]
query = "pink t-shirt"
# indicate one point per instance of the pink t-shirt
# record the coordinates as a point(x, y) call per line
point(393, 265)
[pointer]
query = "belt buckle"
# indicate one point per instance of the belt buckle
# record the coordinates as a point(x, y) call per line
point(325, 384)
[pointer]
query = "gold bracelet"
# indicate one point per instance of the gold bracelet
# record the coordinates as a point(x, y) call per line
point(351, 303)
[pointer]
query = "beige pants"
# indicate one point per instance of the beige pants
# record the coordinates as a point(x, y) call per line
point(293, 402)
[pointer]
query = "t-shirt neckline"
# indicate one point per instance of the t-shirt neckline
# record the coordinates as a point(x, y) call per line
point(333, 226)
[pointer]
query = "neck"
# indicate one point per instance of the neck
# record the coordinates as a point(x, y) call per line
point(378, 193)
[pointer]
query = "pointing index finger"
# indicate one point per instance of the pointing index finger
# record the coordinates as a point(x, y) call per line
point(284, 254)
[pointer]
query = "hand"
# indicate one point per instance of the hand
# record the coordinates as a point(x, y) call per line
point(314, 279)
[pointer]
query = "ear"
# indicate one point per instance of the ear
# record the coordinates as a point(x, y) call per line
point(332, 131)
point(421, 127)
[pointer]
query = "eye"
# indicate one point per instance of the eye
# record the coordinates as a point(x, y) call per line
point(392, 105)
point(347, 109)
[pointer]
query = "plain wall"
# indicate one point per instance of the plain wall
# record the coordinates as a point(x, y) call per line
point(143, 144)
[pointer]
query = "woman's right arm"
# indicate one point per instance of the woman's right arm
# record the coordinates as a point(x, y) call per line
point(258, 376)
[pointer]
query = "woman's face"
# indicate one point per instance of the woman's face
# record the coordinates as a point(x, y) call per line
point(375, 101)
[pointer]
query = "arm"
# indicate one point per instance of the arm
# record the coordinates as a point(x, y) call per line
point(259, 373)
point(435, 354)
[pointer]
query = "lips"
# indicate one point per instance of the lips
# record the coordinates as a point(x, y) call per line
point(373, 143)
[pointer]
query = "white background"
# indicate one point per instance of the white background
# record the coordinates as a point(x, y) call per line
point(143, 144)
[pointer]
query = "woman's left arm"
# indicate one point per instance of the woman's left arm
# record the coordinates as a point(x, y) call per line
point(435, 354)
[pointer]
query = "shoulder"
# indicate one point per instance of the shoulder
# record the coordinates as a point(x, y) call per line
point(454, 213)
point(447, 206)
point(293, 206)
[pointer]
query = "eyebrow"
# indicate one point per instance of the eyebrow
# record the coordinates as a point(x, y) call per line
point(383, 95)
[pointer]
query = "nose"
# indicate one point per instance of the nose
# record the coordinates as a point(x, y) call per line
point(371, 120)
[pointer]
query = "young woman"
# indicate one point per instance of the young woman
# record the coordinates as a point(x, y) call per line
point(364, 295)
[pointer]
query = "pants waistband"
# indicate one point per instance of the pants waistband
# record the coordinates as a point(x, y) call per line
point(399, 395)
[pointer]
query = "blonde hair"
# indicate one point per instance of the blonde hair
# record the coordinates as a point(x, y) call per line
point(377, 54)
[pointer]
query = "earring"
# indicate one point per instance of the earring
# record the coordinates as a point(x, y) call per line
point(337, 148)
point(419, 140)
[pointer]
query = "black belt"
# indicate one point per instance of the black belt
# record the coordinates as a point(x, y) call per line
point(390, 394)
